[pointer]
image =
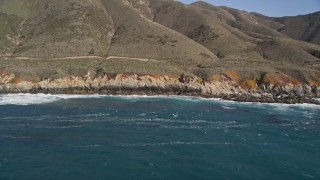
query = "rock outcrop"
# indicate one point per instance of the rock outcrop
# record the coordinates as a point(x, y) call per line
point(270, 88)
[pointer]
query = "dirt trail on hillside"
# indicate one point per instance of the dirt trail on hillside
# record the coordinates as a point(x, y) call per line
point(92, 57)
point(138, 59)
point(77, 57)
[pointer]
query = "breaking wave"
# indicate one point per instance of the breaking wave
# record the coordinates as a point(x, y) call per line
point(30, 99)
point(36, 99)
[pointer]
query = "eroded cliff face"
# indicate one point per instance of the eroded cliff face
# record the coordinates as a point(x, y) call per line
point(270, 88)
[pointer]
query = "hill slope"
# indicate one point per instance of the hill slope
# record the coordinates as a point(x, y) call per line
point(240, 39)
point(57, 38)
point(303, 27)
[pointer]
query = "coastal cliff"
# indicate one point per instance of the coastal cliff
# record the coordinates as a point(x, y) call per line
point(270, 88)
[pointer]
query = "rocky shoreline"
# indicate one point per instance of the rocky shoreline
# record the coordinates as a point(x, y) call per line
point(155, 84)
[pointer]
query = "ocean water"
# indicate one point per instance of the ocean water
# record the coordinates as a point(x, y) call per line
point(136, 137)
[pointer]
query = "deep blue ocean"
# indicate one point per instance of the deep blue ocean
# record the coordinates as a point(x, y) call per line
point(135, 137)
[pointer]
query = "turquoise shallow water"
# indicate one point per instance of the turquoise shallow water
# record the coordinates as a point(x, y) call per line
point(104, 137)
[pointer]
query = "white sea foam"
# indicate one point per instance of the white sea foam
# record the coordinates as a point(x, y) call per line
point(225, 103)
point(26, 99)
point(89, 146)
point(275, 106)
point(14, 137)
point(59, 127)
point(29, 99)
point(174, 143)
point(228, 107)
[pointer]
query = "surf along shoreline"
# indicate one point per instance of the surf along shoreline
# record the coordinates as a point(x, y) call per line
point(231, 98)
point(167, 85)
point(228, 97)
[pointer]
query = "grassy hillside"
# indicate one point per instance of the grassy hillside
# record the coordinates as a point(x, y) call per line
point(206, 30)
point(137, 36)
point(56, 38)
point(8, 33)
point(16, 7)
point(59, 28)
point(303, 27)
point(240, 39)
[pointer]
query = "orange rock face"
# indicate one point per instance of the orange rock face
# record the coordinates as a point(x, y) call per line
point(232, 75)
point(229, 75)
point(249, 84)
point(279, 79)
point(5, 73)
point(314, 83)
point(15, 80)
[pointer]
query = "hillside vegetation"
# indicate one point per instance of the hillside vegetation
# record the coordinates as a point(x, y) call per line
point(57, 38)
point(303, 27)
